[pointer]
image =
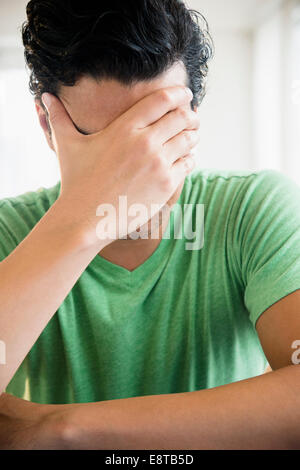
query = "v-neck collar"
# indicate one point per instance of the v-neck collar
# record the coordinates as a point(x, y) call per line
point(119, 272)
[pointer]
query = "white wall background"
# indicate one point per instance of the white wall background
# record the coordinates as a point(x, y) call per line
point(250, 116)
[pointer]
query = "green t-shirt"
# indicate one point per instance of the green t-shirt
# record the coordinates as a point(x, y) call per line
point(182, 321)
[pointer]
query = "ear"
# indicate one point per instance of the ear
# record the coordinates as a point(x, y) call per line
point(44, 122)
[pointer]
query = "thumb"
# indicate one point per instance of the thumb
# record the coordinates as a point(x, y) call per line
point(60, 122)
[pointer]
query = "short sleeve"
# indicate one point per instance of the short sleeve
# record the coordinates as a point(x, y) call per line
point(269, 240)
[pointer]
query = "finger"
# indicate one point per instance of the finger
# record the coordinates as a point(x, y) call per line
point(181, 145)
point(60, 122)
point(151, 108)
point(182, 167)
point(173, 123)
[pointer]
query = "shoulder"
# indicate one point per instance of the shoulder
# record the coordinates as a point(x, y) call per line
point(240, 188)
point(18, 215)
point(245, 205)
point(209, 184)
point(236, 178)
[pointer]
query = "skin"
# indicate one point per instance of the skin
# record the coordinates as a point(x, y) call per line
point(92, 106)
point(146, 163)
point(259, 413)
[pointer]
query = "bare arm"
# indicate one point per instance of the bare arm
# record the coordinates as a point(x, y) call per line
point(141, 164)
point(35, 279)
point(22, 424)
point(258, 413)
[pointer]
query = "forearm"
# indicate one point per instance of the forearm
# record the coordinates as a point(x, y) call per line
point(259, 413)
point(27, 426)
point(35, 279)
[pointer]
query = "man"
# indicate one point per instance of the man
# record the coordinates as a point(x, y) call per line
point(142, 343)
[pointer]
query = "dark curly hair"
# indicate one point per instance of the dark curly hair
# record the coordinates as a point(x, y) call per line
point(128, 40)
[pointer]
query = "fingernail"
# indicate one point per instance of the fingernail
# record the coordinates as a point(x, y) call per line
point(46, 99)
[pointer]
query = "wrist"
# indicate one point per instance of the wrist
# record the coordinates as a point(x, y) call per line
point(54, 428)
point(75, 426)
point(77, 226)
point(23, 424)
point(61, 428)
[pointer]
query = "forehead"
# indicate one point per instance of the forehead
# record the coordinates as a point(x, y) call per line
point(92, 104)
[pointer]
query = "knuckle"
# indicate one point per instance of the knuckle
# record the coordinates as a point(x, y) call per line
point(147, 145)
point(165, 96)
point(184, 114)
point(189, 163)
point(158, 164)
point(188, 137)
